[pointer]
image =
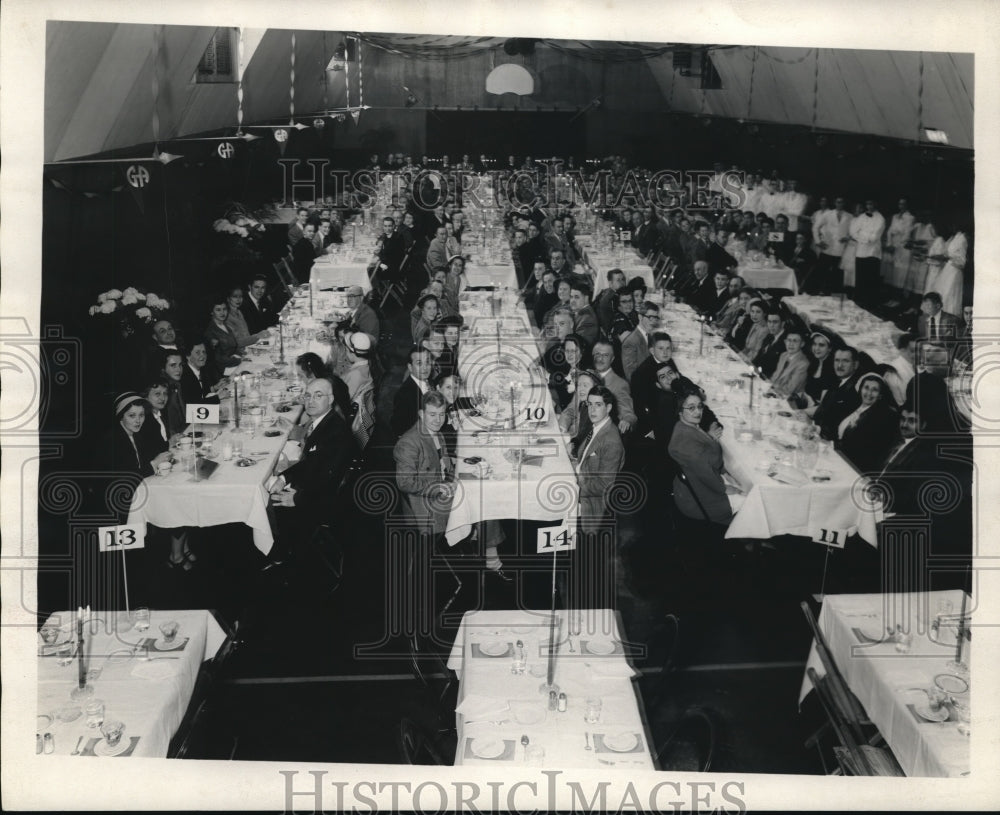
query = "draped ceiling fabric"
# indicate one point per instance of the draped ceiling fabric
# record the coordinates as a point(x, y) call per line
point(98, 83)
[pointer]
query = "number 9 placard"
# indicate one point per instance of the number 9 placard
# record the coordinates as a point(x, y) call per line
point(202, 414)
point(124, 538)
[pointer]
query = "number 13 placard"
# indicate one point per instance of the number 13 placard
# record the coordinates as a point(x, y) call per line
point(124, 538)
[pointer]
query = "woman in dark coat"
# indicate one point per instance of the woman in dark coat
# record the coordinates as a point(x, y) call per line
point(821, 376)
point(867, 436)
point(699, 455)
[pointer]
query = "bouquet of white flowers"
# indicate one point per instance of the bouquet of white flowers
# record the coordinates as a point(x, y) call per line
point(130, 307)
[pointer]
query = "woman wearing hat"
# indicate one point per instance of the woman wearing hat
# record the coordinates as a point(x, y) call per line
point(868, 434)
point(359, 375)
point(820, 377)
point(133, 452)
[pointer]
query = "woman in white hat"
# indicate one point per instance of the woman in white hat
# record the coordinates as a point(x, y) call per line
point(868, 434)
point(359, 375)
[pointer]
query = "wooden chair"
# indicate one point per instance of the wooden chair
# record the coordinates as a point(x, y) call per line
point(853, 758)
point(697, 730)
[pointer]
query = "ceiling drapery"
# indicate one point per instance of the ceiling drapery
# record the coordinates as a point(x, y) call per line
point(99, 78)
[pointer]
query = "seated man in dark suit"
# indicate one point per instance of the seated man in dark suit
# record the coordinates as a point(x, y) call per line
point(389, 252)
point(604, 302)
point(699, 291)
point(773, 346)
point(164, 337)
point(780, 241)
point(304, 492)
point(304, 254)
point(406, 403)
point(840, 400)
point(934, 323)
point(257, 308)
point(928, 390)
point(802, 260)
point(642, 385)
point(922, 460)
point(718, 258)
point(584, 317)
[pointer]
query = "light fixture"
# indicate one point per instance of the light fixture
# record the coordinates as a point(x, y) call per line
point(411, 98)
point(935, 135)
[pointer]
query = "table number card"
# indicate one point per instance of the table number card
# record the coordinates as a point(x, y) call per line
point(125, 538)
point(202, 414)
point(556, 539)
point(831, 537)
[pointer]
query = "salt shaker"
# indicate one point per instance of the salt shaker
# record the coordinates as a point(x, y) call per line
point(553, 700)
point(562, 702)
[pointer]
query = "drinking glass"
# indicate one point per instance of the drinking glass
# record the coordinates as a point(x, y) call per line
point(140, 618)
point(65, 653)
point(534, 755)
point(94, 710)
point(169, 630)
point(112, 731)
point(592, 709)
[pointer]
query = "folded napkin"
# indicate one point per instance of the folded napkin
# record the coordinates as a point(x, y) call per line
point(475, 706)
point(611, 668)
point(790, 475)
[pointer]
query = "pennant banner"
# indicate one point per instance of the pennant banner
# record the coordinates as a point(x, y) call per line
point(355, 114)
point(137, 178)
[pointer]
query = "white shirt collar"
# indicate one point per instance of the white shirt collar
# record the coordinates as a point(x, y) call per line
point(315, 422)
point(195, 371)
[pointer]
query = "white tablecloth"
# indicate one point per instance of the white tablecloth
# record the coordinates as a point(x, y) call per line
point(771, 507)
point(853, 324)
point(495, 704)
point(883, 679)
point(331, 272)
point(762, 276)
point(494, 353)
point(233, 494)
point(149, 697)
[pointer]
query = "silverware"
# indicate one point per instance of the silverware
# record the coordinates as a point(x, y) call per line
point(572, 650)
point(524, 744)
point(588, 747)
point(76, 750)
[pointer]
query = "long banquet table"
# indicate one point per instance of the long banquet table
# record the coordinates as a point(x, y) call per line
point(892, 686)
point(498, 359)
point(149, 692)
point(497, 707)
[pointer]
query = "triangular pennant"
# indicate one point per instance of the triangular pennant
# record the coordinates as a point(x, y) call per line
point(58, 184)
point(355, 114)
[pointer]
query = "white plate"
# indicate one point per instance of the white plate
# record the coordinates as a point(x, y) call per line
point(487, 748)
point(70, 713)
point(524, 630)
point(601, 647)
point(163, 645)
point(529, 714)
point(494, 649)
point(621, 742)
point(120, 656)
point(950, 683)
point(43, 720)
point(154, 669)
point(924, 712)
point(102, 749)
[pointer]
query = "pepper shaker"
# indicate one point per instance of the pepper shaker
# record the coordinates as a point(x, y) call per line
point(562, 702)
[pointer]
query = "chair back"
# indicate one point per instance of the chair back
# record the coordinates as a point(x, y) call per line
point(416, 745)
point(849, 708)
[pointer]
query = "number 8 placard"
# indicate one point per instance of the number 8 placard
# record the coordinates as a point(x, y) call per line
point(124, 538)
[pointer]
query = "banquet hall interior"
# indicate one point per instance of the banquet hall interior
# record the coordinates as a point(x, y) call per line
point(274, 259)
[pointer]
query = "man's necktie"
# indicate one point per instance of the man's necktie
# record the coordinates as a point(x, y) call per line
point(586, 442)
point(933, 331)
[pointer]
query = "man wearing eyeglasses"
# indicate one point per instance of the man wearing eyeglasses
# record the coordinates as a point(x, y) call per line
point(363, 316)
point(604, 357)
point(635, 347)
